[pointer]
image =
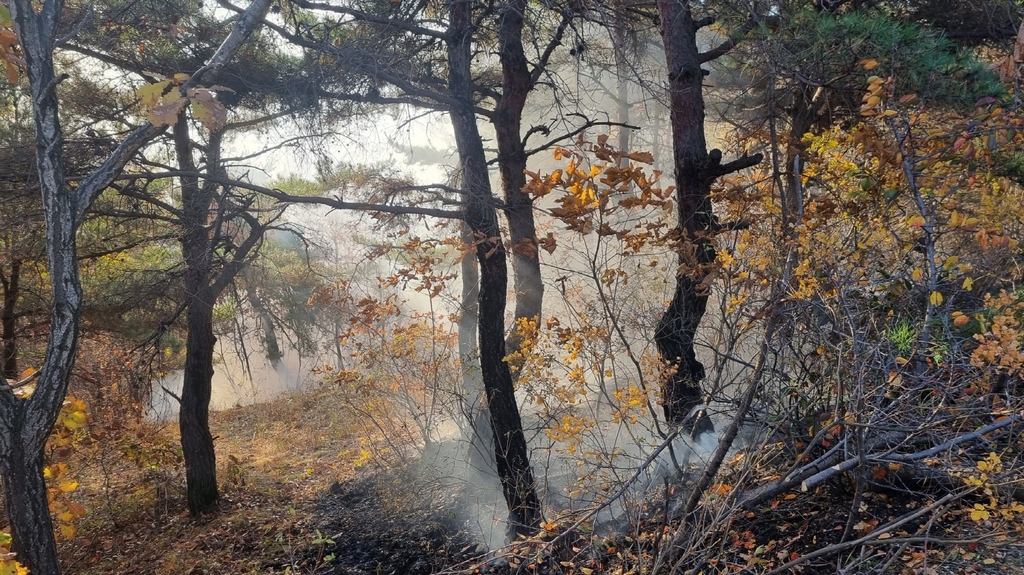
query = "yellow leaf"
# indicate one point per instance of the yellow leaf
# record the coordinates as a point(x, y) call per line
point(968, 284)
point(916, 221)
point(889, 113)
point(12, 567)
point(935, 298)
point(181, 78)
point(917, 275)
point(869, 63)
point(68, 531)
point(950, 262)
point(68, 486)
point(150, 94)
point(165, 111)
point(979, 513)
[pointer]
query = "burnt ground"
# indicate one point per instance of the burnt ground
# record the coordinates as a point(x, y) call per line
point(390, 522)
point(395, 523)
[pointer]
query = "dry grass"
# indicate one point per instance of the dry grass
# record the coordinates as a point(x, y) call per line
point(275, 460)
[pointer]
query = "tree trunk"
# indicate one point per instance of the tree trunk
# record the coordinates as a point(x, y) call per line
point(510, 451)
point(678, 326)
point(481, 457)
point(25, 424)
point(508, 122)
point(802, 119)
point(9, 321)
point(270, 342)
point(620, 37)
point(28, 509)
point(194, 415)
point(695, 170)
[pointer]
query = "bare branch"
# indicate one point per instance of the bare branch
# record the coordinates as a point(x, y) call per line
point(282, 196)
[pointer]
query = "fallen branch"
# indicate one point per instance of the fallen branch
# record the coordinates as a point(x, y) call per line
point(870, 537)
point(903, 457)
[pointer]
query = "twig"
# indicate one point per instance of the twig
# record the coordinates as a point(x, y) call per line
point(172, 394)
point(20, 383)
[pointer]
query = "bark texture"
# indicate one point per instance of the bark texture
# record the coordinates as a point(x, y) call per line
point(695, 170)
point(10, 283)
point(678, 326)
point(193, 415)
point(25, 497)
point(510, 451)
point(25, 423)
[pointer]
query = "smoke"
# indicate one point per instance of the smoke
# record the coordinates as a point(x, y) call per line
point(236, 380)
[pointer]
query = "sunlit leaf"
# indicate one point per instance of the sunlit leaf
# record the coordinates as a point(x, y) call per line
point(210, 112)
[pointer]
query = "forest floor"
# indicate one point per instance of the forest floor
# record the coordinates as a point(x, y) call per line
point(300, 496)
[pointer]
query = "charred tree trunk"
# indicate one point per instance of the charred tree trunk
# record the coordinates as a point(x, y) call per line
point(193, 415)
point(678, 326)
point(517, 82)
point(510, 451)
point(9, 320)
point(695, 170)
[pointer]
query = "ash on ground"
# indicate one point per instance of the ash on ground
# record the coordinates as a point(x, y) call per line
point(392, 522)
